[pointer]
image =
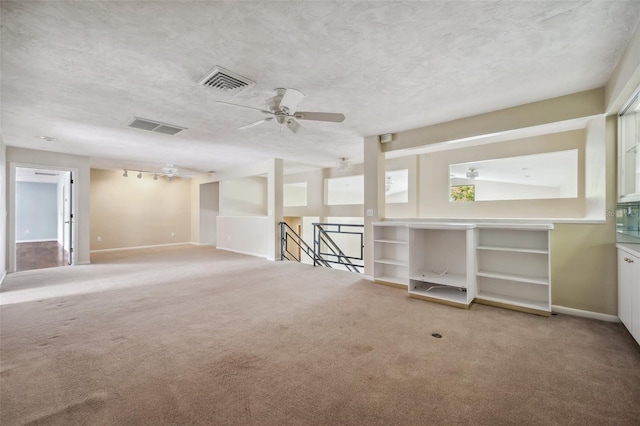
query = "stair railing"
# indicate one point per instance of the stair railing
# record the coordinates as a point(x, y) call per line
point(336, 255)
point(289, 237)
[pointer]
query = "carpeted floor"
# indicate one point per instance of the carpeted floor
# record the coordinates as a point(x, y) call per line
point(195, 336)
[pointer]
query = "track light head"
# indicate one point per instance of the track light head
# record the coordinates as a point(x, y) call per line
point(155, 176)
point(125, 174)
point(139, 175)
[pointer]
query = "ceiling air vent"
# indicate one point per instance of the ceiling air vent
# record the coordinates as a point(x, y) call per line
point(226, 81)
point(155, 126)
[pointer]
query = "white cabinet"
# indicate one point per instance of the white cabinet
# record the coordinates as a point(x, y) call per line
point(514, 268)
point(505, 265)
point(441, 264)
point(391, 254)
point(629, 290)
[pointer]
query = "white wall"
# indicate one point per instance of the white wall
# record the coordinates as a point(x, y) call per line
point(53, 161)
point(244, 234)
point(295, 194)
point(233, 231)
point(246, 196)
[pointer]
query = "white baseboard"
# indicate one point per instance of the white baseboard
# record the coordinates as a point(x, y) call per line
point(38, 241)
point(84, 262)
point(141, 247)
point(264, 256)
point(584, 314)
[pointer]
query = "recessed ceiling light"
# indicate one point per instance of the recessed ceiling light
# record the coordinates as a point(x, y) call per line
point(48, 138)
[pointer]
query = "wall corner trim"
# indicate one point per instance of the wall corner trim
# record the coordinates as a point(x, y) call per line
point(584, 314)
point(4, 275)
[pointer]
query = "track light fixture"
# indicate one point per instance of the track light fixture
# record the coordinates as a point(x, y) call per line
point(125, 174)
point(140, 175)
point(155, 176)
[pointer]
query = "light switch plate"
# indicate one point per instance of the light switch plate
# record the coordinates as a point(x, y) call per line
point(369, 212)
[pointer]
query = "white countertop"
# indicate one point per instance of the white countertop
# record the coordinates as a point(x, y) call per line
point(632, 249)
point(468, 225)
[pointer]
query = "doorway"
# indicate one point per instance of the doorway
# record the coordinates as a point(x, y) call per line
point(209, 211)
point(43, 212)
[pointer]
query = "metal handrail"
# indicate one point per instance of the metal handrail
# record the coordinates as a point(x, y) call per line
point(292, 235)
point(321, 235)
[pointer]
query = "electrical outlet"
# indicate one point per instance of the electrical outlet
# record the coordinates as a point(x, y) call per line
point(99, 239)
point(369, 212)
point(173, 234)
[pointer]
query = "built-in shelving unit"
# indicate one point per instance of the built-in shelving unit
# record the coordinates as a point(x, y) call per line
point(439, 261)
point(513, 267)
point(506, 265)
point(391, 254)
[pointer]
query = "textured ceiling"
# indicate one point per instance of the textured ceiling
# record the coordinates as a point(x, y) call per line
point(79, 71)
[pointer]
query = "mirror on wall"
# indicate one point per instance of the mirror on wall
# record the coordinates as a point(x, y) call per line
point(526, 177)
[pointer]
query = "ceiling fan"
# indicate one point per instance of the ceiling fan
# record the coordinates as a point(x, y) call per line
point(282, 108)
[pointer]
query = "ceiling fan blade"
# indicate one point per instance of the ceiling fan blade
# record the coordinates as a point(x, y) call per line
point(290, 100)
point(293, 125)
point(244, 106)
point(320, 116)
point(255, 123)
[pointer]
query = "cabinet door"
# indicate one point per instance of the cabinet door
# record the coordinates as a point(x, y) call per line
point(625, 277)
point(635, 297)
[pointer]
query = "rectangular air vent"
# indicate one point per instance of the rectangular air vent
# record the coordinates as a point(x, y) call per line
point(155, 126)
point(226, 81)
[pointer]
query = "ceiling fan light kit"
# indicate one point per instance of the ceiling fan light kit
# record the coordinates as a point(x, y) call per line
point(283, 108)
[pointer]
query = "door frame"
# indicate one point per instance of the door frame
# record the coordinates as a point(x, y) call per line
point(11, 210)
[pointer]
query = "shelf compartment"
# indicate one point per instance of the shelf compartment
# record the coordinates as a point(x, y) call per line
point(514, 239)
point(516, 266)
point(452, 280)
point(512, 249)
point(527, 305)
point(514, 293)
point(391, 241)
point(514, 277)
point(455, 296)
point(396, 262)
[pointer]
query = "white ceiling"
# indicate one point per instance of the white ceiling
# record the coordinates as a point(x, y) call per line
point(79, 71)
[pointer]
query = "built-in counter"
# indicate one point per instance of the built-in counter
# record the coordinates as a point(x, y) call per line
point(458, 263)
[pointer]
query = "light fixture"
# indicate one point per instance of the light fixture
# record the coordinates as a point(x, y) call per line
point(48, 138)
point(125, 174)
point(472, 173)
point(139, 175)
point(343, 163)
point(155, 176)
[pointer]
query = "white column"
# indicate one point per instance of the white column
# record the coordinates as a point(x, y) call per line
point(373, 195)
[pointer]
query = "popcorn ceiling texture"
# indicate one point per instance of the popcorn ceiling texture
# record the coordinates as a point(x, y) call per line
point(80, 70)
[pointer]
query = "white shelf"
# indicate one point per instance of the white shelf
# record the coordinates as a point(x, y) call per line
point(392, 262)
point(391, 241)
point(518, 301)
point(513, 250)
point(453, 280)
point(513, 277)
point(451, 294)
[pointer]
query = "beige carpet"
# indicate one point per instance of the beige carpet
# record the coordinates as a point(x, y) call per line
point(195, 336)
